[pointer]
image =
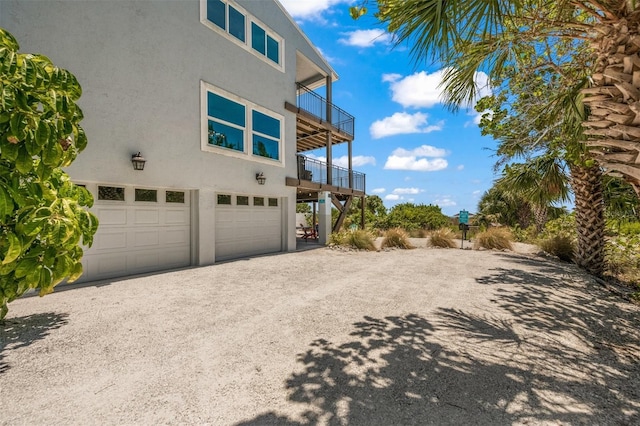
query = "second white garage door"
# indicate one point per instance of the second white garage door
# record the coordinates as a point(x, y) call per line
point(247, 226)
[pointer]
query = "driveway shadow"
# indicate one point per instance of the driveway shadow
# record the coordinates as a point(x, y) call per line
point(22, 331)
point(549, 352)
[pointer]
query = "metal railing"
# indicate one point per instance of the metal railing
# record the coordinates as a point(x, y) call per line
point(316, 105)
point(316, 171)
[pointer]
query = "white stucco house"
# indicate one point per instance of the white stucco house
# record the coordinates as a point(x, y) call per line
point(216, 95)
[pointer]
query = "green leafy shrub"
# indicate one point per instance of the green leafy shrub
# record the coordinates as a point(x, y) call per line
point(562, 246)
point(622, 256)
point(527, 235)
point(494, 239)
point(629, 228)
point(397, 237)
point(43, 215)
point(358, 239)
point(443, 237)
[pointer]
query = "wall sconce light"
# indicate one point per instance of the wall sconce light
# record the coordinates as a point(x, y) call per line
point(260, 178)
point(138, 161)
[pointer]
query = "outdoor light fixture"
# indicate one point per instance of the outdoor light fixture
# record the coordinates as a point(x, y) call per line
point(138, 161)
point(260, 178)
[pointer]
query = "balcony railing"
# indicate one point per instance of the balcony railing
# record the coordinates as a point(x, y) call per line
point(316, 105)
point(316, 171)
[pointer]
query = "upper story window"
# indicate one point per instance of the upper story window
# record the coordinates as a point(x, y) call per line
point(227, 18)
point(230, 19)
point(234, 126)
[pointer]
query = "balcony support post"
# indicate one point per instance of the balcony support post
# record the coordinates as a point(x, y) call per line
point(350, 165)
point(329, 136)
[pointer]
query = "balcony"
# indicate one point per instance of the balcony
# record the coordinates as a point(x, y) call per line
point(312, 177)
point(315, 118)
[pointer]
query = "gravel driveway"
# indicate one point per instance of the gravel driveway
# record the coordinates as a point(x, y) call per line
point(425, 336)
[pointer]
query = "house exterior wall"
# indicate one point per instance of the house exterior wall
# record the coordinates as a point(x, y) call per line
point(141, 65)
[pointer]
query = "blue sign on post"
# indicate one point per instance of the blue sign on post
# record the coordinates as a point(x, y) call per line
point(464, 216)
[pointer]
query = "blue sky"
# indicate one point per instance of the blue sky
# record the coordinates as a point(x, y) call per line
point(410, 147)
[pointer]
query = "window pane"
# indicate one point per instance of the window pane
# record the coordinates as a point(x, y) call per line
point(257, 38)
point(225, 109)
point(224, 199)
point(110, 193)
point(264, 124)
point(225, 136)
point(273, 202)
point(265, 147)
point(146, 195)
point(273, 50)
point(241, 200)
point(258, 201)
point(236, 24)
point(174, 197)
point(216, 13)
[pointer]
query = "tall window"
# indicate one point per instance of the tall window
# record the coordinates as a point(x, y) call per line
point(239, 127)
point(266, 135)
point(226, 122)
point(227, 18)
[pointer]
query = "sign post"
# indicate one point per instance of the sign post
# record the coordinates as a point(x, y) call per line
point(463, 220)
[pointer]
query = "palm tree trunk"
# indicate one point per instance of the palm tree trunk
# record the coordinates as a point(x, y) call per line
point(540, 214)
point(590, 222)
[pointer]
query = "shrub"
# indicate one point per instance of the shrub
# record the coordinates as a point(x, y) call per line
point(623, 258)
point(397, 237)
point(358, 239)
point(494, 238)
point(562, 246)
point(443, 237)
point(630, 228)
point(418, 233)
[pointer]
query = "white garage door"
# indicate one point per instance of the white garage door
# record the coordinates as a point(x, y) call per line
point(247, 226)
point(141, 230)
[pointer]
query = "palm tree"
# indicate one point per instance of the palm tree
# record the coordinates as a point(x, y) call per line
point(542, 181)
point(488, 35)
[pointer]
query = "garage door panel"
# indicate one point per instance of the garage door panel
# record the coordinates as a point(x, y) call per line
point(150, 237)
point(176, 217)
point(175, 236)
point(146, 217)
point(145, 261)
point(111, 216)
point(110, 240)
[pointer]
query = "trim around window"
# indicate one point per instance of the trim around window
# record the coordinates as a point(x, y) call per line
point(233, 126)
point(243, 29)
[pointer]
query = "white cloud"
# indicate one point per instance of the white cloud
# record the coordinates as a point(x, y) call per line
point(309, 9)
point(460, 167)
point(392, 197)
point(365, 38)
point(391, 77)
point(357, 161)
point(403, 123)
point(422, 90)
point(411, 163)
point(477, 192)
point(445, 202)
point(411, 191)
point(421, 151)
point(403, 159)
point(378, 191)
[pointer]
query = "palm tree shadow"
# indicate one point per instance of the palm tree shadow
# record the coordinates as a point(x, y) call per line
point(542, 356)
point(22, 331)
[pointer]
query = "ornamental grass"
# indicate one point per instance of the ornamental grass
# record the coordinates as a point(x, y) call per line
point(398, 238)
point(443, 238)
point(494, 239)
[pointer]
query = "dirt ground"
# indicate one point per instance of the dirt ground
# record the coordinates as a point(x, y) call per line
point(326, 337)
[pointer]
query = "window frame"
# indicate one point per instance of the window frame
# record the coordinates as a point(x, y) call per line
point(248, 130)
point(247, 44)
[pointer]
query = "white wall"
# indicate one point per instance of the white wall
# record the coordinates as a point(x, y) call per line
point(140, 64)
